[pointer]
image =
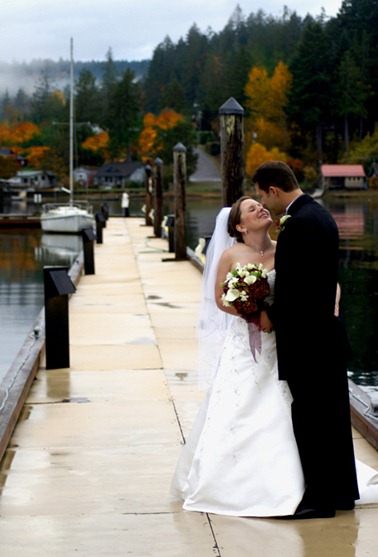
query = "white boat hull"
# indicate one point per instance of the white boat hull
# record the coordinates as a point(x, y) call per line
point(66, 220)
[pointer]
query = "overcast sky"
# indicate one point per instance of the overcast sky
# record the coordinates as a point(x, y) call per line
point(40, 29)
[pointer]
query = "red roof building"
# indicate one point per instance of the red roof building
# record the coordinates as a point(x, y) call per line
point(343, 176)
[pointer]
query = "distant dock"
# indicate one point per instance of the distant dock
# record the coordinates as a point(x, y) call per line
point(13, 220)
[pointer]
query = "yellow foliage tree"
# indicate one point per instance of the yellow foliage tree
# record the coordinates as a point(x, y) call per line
point(257, 93)
point(35, 155)
point(266, 100)
point(14, 135)
point(97, 143)
point(258, 154)
point(149, 138)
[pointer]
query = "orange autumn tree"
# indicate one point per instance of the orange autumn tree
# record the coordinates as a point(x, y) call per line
point(265, 102)
point(35, 156)
point(15, 135)
point(258, 154)
point(150, 139)
point(98, 143)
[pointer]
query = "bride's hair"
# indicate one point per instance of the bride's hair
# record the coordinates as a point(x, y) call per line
point(234, 219)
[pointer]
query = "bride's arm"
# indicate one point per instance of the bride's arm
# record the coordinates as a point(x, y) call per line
point(337, 301)
point(225, 265)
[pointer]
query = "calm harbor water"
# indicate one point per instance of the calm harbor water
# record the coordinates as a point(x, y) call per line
point(24, 253)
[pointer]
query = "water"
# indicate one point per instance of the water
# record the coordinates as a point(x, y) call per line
point(24, 253)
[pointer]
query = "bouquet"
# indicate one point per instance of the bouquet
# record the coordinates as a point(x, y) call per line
point(246, 288)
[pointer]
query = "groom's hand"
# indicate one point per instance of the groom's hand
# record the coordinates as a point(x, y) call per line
point(265, 323)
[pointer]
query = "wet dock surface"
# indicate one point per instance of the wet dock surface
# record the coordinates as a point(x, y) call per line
point(88, 468)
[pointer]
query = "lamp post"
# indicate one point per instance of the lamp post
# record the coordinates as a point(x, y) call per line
point(179, 164)
point(232, 163)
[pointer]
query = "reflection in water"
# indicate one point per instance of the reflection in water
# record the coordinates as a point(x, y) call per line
point(351, 223)
point(358, 225)
point(23, 254)
point(59, 248)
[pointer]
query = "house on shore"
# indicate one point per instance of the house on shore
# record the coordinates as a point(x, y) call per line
point(33, 180)
point(6, 152)
point(119, 174)
point(83, 177)
point(342, 176)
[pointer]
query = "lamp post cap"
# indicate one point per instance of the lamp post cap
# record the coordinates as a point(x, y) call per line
point(179, 148)
point(158, 161)
point(231, 107)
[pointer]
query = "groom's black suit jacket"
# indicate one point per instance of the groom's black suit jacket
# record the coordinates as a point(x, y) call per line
point(306, 266)
point(311, 352)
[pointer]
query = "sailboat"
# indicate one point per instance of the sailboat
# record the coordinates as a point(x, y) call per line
point(75, 216)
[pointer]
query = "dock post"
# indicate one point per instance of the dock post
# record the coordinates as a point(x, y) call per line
point(88, 248)
point(158, 205)
point(105, 212)
point(171, 233)
point(232, 163)
point(179, 169)
point(148, 171)
point(58, 286)
point(100, 224)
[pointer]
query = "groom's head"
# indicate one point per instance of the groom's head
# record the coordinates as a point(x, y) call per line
point(276, 185)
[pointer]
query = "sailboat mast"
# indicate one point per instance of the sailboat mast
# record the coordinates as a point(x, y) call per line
point(71, 123)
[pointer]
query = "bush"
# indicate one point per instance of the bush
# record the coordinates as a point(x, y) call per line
point(205, 137)
point(213, 148)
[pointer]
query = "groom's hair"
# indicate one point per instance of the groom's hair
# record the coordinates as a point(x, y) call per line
point(275, 173)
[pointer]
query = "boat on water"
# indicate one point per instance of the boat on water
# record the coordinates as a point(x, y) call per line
point(74, 216)
point(69, 218)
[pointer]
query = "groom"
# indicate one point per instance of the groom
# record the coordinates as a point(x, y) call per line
point(310, 341)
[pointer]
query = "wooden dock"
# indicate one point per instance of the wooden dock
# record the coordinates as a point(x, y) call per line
point(88, 468)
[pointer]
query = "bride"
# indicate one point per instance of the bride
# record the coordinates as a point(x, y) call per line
point(241, 457)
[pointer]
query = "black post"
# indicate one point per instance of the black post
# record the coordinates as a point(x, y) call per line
point(58, 286)
point(105, 212)
point(100, 224)
point(158, 214)
point(171, 233)
point(88, 241)
point(148, 171)
point(179, 169)
point(232, 163)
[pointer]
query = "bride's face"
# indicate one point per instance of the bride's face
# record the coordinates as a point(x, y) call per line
point(253, 215)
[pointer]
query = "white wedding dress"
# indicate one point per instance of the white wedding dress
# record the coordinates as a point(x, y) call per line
point(241, 457)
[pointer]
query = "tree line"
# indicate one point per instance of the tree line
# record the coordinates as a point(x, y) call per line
point(309, 88)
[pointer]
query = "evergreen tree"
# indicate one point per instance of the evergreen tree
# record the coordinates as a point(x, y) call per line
point(108, 84)
point(160, 74)
point(351, 94)
point(21, 103)
point(124, 116)
point(356, 30)
point(310, 99)
point(87, 98)
point(47, 103)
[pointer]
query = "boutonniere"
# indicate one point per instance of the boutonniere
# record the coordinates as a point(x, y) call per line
point(280, 223)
